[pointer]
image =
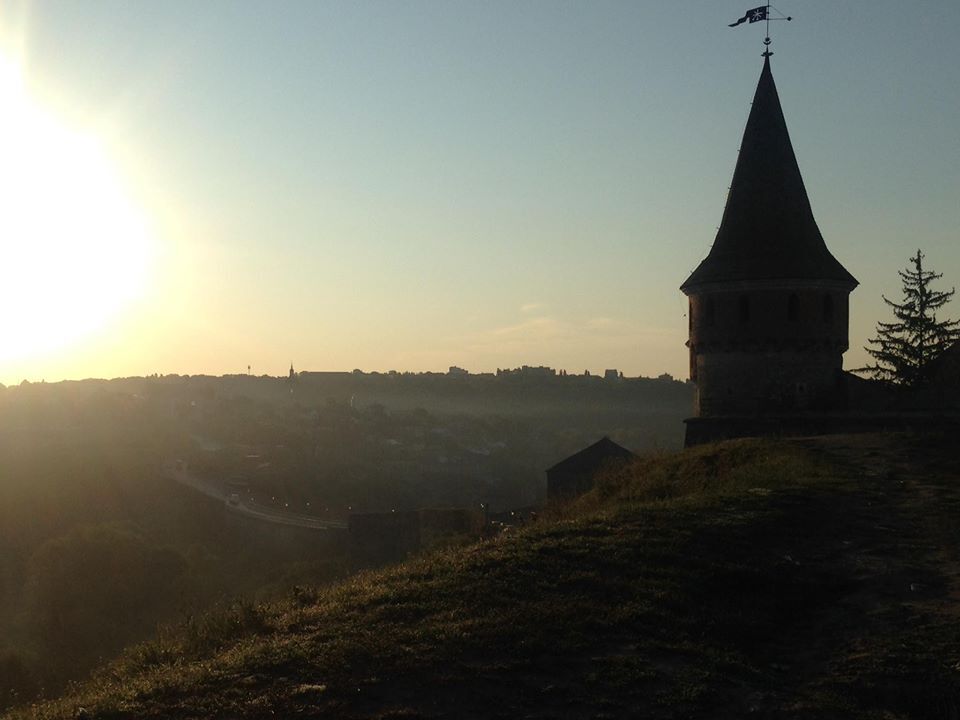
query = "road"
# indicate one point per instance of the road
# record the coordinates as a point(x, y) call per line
point(234, 503)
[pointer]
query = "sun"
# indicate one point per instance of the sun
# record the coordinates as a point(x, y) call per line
point(75, 250)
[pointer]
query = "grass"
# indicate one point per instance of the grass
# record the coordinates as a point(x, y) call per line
point(705, 472)
point(787, 579)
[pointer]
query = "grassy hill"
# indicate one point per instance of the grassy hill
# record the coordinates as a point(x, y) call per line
point(806, 579)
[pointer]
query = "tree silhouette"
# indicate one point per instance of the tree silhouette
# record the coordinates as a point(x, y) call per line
point(903, 349)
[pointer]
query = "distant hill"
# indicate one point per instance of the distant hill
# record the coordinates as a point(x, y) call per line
point(529, 392)
point(803, 579)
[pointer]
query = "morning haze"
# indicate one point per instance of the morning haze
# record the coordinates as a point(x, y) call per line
point(349, 370)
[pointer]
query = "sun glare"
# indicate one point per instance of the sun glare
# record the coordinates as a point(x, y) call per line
point(75, 248)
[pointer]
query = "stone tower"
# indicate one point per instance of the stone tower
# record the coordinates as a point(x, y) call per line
point(768, 308)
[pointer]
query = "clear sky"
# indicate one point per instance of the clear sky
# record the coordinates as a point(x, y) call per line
point(412, 185)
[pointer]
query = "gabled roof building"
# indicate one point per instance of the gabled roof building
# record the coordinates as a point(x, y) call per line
point(575, 475)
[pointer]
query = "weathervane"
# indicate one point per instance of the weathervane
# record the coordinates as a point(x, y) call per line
point(758, 14)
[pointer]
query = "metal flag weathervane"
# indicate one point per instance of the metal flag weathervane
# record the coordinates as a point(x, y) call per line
point(756, 15)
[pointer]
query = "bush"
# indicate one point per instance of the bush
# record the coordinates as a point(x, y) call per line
point(97, 587)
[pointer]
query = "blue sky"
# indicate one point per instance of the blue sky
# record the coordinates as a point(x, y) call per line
point(411, 185)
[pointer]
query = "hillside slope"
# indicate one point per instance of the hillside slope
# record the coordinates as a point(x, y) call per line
point(807, 579)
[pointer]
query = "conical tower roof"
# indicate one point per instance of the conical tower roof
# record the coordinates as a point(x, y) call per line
point(768, 231)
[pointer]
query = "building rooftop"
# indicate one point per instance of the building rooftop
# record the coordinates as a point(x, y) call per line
point(592, 458)
point(768, 231)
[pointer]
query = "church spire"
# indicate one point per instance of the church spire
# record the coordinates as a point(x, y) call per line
point(768, 231)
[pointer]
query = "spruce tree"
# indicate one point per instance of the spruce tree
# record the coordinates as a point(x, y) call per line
point(904, 348)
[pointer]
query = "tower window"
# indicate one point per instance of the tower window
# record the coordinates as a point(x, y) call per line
point(709, 313)
point(744, 309)
point(828, 309)
point(793, 309)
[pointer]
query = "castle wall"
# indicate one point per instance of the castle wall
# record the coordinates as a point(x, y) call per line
point(704, 430)
point(769, 316)
point(767, 382)
point(764, 348)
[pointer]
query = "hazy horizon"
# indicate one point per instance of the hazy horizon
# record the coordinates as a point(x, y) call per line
point(193, 189)
point(254, 373)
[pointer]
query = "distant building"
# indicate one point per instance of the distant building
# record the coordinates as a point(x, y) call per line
point(768, 306)
point(575, 475)
point(528, 371)
point(612, 374)
point(457, 371)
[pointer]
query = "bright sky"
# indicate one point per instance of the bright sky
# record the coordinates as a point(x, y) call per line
point(412, 185)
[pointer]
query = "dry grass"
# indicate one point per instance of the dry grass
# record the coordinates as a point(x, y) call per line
point(718, 582)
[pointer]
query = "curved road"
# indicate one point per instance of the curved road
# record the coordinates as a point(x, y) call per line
point(234, 503)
